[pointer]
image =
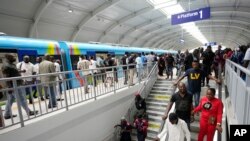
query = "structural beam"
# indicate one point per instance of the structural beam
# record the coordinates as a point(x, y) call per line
point(37, 16)
point(124, 19)
point(91, 15)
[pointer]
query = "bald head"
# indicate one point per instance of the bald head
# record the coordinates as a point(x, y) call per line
point(26, 59)
point(182, 87)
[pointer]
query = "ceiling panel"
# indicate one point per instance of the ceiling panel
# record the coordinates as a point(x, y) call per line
point(99, 23)
point(135, 21)
point(86, 36)
point(115, 12)
point(23, 8)
point(54, 32)
point(120, 29)
point(133, 5)
point(84, 4)
point(59, 13)
point(14, 27)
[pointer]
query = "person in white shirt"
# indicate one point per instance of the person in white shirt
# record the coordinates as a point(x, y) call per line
point(27, 68)
point(138, 62)
point(176, 129)
point(93, 67)
point(83, 65)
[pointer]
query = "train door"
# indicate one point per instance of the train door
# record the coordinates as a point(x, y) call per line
point(90, 53)
point(31, 53)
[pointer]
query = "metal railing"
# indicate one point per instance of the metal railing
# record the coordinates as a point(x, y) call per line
point(237, 79)
point(144, 91)
point(73, 88)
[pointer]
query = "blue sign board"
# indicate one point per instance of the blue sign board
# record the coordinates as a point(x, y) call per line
point(211, 44)
point(190, 16)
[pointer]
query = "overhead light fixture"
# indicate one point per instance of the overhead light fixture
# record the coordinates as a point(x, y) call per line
point(70, 10)
point(177, 8)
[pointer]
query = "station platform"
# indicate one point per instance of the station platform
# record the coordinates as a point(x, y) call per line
point(157, 92)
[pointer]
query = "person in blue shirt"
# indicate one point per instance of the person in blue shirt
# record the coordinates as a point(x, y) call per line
point(195, 75)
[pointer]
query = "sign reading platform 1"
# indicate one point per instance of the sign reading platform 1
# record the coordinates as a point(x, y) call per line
point(190, 16)
point(211, 44)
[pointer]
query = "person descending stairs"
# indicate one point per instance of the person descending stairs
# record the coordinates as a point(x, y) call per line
point(157, 102)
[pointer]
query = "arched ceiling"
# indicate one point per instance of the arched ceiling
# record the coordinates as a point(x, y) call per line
point(126, 22)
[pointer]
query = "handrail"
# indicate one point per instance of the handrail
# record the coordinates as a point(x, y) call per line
point(145, 84)
point(72, 96)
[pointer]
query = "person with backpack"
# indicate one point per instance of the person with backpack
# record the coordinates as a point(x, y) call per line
point(126, 129)
point(141, 126)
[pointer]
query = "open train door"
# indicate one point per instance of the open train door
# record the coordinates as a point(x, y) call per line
point(31, 53)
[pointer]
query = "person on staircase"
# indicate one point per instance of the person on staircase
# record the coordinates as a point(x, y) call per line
point(141, 125)
point(126, 129)
point(140, 105)
point(211, 109)
point(195, 76)
point(183, 104)
point(175, 128)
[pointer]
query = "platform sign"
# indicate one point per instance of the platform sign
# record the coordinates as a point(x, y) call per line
point(211, 44)
point(191, 16)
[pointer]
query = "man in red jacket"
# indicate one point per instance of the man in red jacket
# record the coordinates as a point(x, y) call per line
point(211, 115)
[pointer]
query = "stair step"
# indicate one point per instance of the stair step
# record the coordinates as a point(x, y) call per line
point(155, 113)
point(157, 108)
point(160, 97)
point(195, 126)
point(165, 82)
point(157, 100)
point(162, 88)
point(161, 92)
point(156, 103)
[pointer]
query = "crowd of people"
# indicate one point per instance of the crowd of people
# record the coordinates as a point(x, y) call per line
point(199, 67)
point(196, 66)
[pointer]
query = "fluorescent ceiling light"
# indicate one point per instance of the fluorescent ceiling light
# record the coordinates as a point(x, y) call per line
point(170, 8)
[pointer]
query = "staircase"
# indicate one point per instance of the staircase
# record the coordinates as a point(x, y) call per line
point(195, 127)
point(157, 102)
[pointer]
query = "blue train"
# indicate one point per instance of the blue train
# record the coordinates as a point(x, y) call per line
point(67, 52)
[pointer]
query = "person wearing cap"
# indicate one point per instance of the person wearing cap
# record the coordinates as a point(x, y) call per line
point(211, 115)
point(141, 125)
point(126, 129)
point(195, 76)
point(176, 129)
